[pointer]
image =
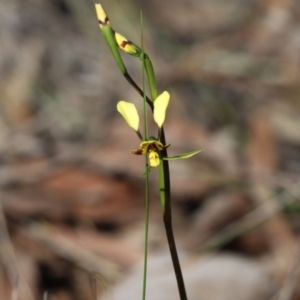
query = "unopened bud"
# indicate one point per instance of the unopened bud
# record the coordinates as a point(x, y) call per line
point(101, 15)
point(127, 46)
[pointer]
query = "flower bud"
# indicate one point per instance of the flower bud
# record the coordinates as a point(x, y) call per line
point(127, 46)
point(101, 15)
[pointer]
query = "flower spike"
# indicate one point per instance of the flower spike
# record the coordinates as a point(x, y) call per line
point(160, 108)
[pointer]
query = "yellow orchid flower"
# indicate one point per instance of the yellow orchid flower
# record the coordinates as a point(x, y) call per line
point(152, 146)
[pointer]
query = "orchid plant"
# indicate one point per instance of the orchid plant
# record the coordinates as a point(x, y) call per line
point(154, 148)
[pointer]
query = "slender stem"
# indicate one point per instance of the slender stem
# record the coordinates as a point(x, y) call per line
point(165, 197)
point(147, 209)
point(146, 134)
point(137, 88)
point(151, 76)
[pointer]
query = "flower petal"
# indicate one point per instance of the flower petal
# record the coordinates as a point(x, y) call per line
point(154, 158)
point(129, 113)
point(160, 107)
point(137, 151)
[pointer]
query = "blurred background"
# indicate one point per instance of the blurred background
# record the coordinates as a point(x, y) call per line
point(71, 194)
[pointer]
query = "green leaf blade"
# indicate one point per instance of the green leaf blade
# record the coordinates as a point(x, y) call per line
point(183, 156)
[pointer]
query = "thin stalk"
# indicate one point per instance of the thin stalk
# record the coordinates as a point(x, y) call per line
point(147, 209)
point(137, 88)
point(147, 189)
point(165, 199)
point(150, 76)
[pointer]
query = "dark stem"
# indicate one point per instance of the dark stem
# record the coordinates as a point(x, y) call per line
point(167, 217)
point(137, 88)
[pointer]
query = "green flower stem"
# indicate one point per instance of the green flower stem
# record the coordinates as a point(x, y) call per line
point(109, 36)
point(147, 196)
point(137, 88)
point(147, 209)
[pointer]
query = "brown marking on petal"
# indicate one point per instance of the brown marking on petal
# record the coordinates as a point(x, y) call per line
point(125, 43)
point(106, 21)
point(153, 147)
point(137, 152)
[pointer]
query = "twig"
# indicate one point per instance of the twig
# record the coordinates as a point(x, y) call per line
point(72, 252)
point(8, 259)
point(253, 219)
point(291, 282)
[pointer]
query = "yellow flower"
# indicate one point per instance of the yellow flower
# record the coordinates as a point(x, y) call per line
point(152, 146)
point(129, 113)
point(160, 107)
